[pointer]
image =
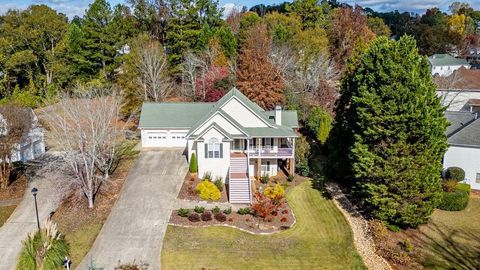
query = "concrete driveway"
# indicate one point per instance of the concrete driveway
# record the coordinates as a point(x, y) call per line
point(138, 221)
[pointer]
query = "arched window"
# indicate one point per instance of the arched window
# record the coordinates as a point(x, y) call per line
point(214, 149)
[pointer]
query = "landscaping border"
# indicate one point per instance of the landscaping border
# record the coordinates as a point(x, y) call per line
point(361, 237)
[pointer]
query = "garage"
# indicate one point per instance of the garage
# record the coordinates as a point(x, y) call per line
point(164, 138)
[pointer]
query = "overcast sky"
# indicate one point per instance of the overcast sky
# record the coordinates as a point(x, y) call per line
point(77, 7)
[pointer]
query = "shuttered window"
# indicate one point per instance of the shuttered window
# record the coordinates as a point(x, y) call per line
point(214, 149)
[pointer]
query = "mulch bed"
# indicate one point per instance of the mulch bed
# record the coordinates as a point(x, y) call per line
point(187, 192)
point(283, 221)
point(15, 190)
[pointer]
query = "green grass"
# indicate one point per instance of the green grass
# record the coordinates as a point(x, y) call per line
point(81, 241)
point(321, 239)
point(451, 240)
point(5, 212)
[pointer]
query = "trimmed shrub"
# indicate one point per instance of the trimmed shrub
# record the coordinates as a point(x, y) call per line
point(194, 217)
point(220, 217)
point(218, 182)
point(449, 185)
point(454, 201)
point(290, 178)
point(208, 191)
point(227, 211)
point(193, 164)
point(207, 176)
point(465, 187)
point(183, 212)
point(199, 209)
point(274, 193)
point(244, 211)
point(207, 216)
point(455, 173)
point(264, 179)
point(216, 209)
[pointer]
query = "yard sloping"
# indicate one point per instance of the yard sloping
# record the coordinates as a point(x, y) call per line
point(321, 239)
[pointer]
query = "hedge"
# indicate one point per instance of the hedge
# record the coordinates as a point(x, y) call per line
point(455, 173)
point(465, 187)
point(454, 201)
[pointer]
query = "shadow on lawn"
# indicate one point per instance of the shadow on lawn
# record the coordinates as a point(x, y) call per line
point(449, 249)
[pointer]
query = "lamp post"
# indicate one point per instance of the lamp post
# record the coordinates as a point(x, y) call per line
point(34, 192)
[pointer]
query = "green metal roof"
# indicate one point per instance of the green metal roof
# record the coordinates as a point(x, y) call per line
point(279, 131)
point(446, 60)
point(172, 115)
point(289, 118)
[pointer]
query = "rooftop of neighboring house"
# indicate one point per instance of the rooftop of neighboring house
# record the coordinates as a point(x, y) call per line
point(446, 60)
point(461, 79)
point(464, 129)
point(190, 115)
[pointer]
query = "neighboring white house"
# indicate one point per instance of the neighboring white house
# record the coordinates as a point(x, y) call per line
point(463, 137)
point(32, 145)
point(444, 64)
point(232, 138)
point(461, 90)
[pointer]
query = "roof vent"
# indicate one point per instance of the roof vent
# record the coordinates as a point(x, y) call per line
point(278, 115)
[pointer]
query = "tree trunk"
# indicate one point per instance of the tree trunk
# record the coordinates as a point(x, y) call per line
point(90, 199)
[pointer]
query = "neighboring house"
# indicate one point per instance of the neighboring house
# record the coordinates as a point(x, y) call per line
point(32, 145)
point(444, 64)
point(461, 90)
point(463, 137)
point(233, 138)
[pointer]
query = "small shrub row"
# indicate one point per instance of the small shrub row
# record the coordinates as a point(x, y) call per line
point(244, 211)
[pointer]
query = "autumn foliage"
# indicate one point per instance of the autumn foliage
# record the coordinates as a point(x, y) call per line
point(257, 78)
point(266, 207)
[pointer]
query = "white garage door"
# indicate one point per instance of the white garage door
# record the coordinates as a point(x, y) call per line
point(165, 138)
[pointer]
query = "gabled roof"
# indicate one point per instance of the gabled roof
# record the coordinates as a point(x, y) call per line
point(218, 128)
point(446, 60)
point(172, 115)
point(464, 129)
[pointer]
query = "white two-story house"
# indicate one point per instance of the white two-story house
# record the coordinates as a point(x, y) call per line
point(444, 64)
point(232, 138)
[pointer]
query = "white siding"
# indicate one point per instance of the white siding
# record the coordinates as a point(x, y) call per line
point(444, 71)
point(457, 100)
point(221, 122)
point(252, 169)
point(242, 115)
point(466, 158)
point(217, 166)
point(164, 137)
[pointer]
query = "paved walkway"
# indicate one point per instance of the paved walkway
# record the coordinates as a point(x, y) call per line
point(138, 221)
point(23, 220)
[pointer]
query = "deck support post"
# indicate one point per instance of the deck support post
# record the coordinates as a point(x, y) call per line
point(259, 168)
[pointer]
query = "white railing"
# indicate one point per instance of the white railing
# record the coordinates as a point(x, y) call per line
point(271, 151)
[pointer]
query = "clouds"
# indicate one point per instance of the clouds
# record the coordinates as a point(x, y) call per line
point(229, 8)
point(408, 5)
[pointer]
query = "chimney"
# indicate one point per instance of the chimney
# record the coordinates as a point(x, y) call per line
point(278, 115)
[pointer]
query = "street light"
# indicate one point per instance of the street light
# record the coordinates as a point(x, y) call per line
point(34, 192)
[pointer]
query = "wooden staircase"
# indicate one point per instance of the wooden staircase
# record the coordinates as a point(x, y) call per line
point(239, 190)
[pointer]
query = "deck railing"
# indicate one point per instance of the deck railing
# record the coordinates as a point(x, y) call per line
point(270, 151)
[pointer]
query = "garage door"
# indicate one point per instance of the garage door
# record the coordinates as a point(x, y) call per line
point(165, 139)
point(177, 139)
point(156, 139)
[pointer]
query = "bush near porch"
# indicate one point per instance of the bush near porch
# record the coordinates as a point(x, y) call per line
point(188, 190)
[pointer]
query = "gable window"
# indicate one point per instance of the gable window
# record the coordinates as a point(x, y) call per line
point(213, 149)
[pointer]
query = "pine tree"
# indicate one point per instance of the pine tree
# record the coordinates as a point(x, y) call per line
point(389, 135)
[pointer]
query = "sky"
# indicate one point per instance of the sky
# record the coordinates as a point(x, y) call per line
point(77, 7)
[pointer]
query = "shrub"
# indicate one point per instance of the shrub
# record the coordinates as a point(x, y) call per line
point(208, 191)
point(455, 173)
point(276, 193)
point(244, 211)
point(449, 185)
point(216, 209)
point(393, 228)
point(199, 209)
point(319, 122)
point(454, 201)
point(193, 164)
point(264, 179)
point(183, 212)
point(207, 176)
point(407, 245)
point(218, 182)
point(132, 266)
point(194, 217)
point(285, 212)
point(264, 207)
point(220, 217)
point(290, 178)
point(284, 219)
point(230, 219)
point(43, 249)
point(207, 216)
point(464, 187)
point(227, 211)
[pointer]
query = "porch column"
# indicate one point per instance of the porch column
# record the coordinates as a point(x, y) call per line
point(291, 166)
point(259, 168)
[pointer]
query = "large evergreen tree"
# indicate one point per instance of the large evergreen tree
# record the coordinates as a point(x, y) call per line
point(389, 136)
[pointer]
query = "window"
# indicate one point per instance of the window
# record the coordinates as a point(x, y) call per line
point(214, 149)
point(477, 180)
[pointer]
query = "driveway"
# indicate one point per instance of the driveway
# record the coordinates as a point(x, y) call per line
point(136, 226)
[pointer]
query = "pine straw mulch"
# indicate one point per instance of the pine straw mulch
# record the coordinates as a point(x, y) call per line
point(15, 190)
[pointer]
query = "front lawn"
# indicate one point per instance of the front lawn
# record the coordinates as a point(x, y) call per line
point(321, 239)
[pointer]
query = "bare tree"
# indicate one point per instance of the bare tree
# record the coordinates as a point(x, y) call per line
point(193, 67)
point(152, 68)
point(86, 131)
point(15, 123)
point(450, 88)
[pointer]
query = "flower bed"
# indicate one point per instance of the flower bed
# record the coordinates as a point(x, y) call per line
point(188, 192)
point(198, 217)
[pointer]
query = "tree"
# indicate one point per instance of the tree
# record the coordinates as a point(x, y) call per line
point(257, 78)
point(319, 122)
point(86, 130)
point(389, 134)
point(15, 122)
point(378, 26)
point(302, 155)
point(308, 10)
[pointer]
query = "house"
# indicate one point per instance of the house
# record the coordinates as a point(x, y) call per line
point(463, 136)
point(460, 91)
point(444, 64)
point(32, 145)
point(233, 138)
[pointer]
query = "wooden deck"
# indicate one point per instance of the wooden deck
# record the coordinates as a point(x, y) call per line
point(238, 155)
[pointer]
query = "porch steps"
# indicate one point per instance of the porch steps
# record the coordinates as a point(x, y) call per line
point(239, 185)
